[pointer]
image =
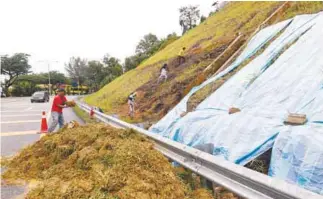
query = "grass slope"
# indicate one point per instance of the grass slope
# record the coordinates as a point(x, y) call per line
point(204, 43)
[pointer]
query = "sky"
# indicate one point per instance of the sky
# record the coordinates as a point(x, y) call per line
point(52, 31)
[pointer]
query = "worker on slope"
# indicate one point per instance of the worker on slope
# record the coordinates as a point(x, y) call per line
point(131, 104)
point(57, 110)
point(163, 73)
point(181, 58)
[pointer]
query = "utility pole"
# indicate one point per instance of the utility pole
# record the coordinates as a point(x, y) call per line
point(48, 67)
point(49, 90)
point(1, 76)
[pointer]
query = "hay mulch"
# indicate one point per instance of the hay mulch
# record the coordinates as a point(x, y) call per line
point(97, 161)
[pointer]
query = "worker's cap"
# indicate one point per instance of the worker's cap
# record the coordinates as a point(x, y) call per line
point(60, 90)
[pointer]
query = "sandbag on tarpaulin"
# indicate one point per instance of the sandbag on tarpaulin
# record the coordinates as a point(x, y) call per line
point(256, 43)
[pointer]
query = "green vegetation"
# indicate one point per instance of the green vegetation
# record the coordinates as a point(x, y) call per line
point(13, 67)
point(93, 73)
point(26, 85)
point(20, 81)
point(147, 47)
point(204, 43)
point(188, 18)
point(97, 161)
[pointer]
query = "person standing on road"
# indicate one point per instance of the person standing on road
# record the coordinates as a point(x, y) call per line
point(163, 73)
point(57, 110)
point(131, 104)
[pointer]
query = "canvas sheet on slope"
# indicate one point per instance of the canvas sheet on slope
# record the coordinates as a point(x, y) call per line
point(265, 99)
point(256, 43)
point(239, 135)
point(297, 154)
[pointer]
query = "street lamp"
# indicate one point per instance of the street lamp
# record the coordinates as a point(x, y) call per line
point(48, 66)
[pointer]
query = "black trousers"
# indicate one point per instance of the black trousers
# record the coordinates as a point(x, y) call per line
point(181, 60)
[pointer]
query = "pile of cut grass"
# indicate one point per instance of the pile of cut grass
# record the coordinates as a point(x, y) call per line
point(97, 161)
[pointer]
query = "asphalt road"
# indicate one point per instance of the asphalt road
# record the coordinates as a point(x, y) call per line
point(20, 121)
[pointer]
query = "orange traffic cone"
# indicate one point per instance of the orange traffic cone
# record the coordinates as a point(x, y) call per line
point(91, 113)
point(43, 125)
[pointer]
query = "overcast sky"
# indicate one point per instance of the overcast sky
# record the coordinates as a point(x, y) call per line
point(58, 29)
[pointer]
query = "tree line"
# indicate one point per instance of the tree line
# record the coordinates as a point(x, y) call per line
point(18, 76)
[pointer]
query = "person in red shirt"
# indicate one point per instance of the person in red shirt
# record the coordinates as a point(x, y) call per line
point(57, 110)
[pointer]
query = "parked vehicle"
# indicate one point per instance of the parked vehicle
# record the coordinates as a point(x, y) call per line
point(40, 96)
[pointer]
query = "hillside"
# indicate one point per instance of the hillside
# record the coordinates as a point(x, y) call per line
point(204, 43)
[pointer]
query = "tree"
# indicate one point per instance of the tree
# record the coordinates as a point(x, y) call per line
point(189, 15)
point(35, 79)
point(133, 61)
point(76, 69)
point(24, 88)
point(13, 67)
point(218, 5)
point(112, 65)
point(95, 73)
point(113, 69)
point(169, 39)
point(42, 78)
point(56, 77)
point(203, 18)
point(148, 45)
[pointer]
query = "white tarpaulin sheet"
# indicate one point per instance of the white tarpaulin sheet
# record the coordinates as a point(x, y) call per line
point(257, 42)
point(266, 92)
point(297, 154)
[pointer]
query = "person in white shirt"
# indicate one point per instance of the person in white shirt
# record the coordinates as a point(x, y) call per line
point(131, 104)
point(163, 73)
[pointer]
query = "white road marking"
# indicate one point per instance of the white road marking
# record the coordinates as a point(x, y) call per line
point(21, 121)
point(27, 109)
point(2, 116)
point(19, 104)
point(22, 111)
point(19, 133)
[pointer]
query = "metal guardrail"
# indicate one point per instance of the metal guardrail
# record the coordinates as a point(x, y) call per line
point(240, 180)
